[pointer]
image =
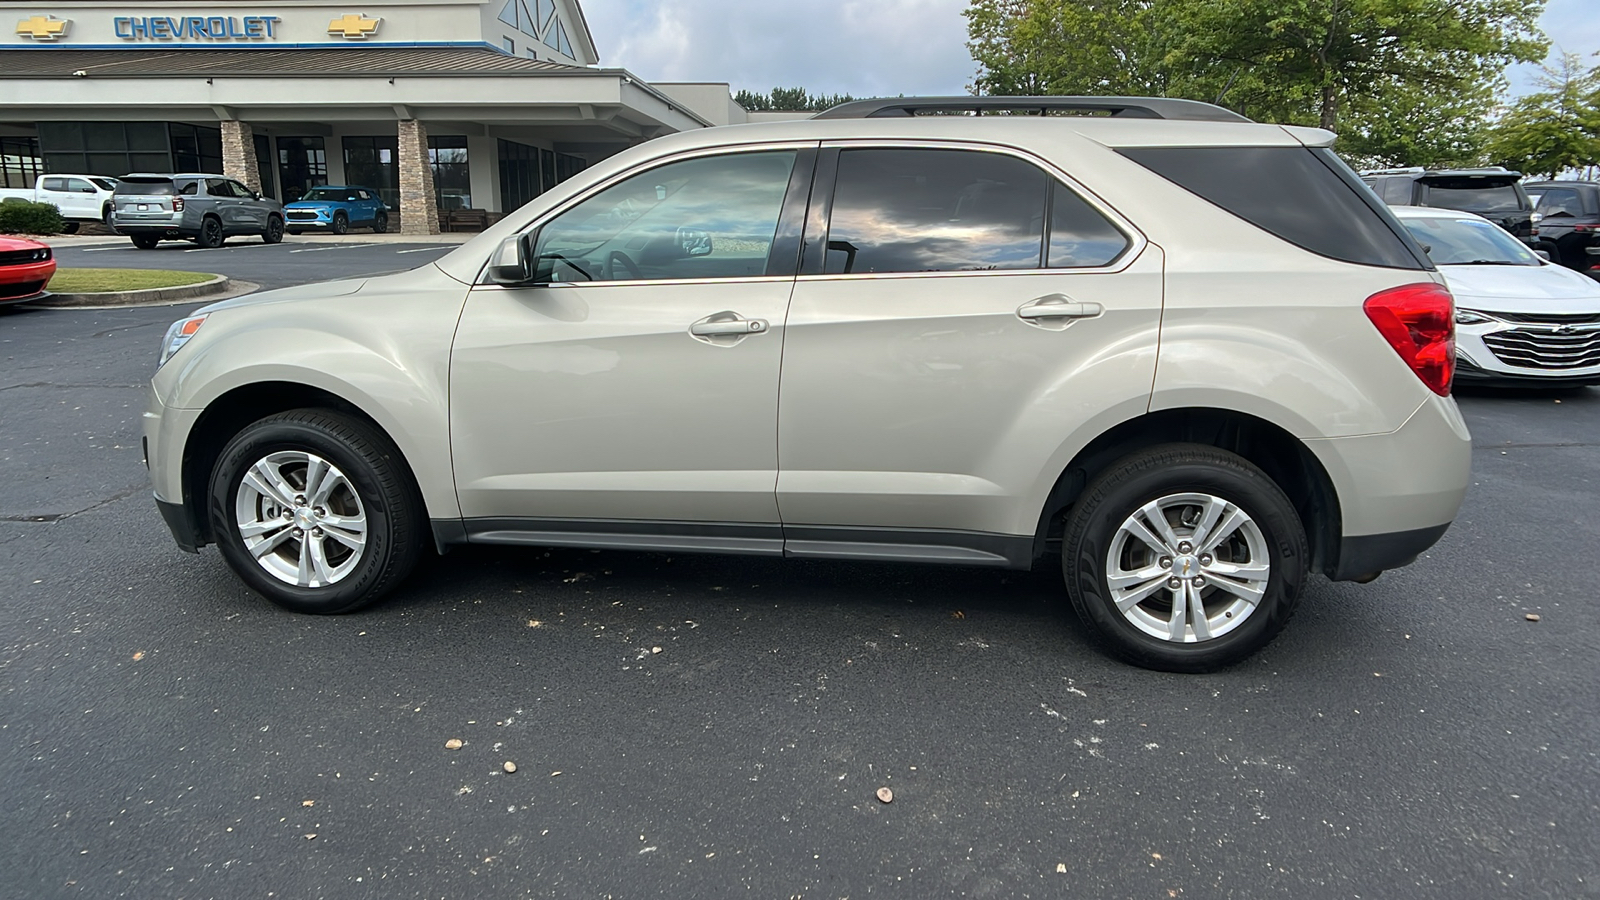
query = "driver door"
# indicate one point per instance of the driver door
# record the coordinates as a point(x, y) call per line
point(636, 392)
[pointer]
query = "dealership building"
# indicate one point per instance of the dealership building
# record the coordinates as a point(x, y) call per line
point(453, 110)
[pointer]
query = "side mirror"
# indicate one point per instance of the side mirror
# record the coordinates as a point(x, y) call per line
point(87, 190)
point(256, 194)
point(693, 243)
point(1542, 254)
point(513, 263)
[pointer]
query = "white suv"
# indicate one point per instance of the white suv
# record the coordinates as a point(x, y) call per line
point(1190, 353)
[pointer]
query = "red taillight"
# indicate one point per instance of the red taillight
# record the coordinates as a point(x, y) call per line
point(1418, 321)
point(177, 204)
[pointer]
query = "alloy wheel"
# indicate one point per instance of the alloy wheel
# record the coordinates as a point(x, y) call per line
point(301, 519)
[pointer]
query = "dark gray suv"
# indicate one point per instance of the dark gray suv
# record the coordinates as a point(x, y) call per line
point(207, 209)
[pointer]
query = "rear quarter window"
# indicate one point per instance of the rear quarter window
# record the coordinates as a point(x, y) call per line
point(1307, 197)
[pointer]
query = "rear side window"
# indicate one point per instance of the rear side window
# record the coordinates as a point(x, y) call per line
point(1307, 197)
point(55, 184)
point(145, 187)
point(1080, 237)
point(930, 210)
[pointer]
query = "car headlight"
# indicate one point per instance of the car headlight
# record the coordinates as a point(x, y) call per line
point(178, 335)
point(1469, 317)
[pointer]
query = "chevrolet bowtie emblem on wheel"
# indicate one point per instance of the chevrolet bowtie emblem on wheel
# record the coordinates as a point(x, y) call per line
point(44, 28)
point(354, 27)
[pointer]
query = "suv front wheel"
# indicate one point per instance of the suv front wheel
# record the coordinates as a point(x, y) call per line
point(1184, 558)
point(314, 511)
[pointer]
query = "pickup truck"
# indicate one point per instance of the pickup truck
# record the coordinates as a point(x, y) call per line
point(81, 198)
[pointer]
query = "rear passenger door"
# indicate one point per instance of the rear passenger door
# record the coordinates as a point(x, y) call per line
point(961, 312)
point(224, 205)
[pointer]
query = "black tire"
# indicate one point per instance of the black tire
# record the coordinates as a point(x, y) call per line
point(145, 242)
point(69, 227)
point(380, 224)
point(294, 231)
point(274, 232)
point(341, 223)
point(1161, 472)
point(375, 473)
point(105, 215)
point(210, 236)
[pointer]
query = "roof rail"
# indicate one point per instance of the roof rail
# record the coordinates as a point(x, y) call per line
point(1122, 107)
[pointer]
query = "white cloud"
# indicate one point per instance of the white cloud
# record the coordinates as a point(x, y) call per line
point(1573, 27)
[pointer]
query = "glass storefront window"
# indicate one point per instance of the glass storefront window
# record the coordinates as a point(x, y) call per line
point(302, 165)
point(264, 164)
point(452, 181)
point(20, 162)
point(117, 148)
point(371, 162)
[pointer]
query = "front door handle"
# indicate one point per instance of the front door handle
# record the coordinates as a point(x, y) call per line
point(1057, 307)
point(726, 327)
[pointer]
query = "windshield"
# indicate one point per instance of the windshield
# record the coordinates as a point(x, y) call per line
point(1466, 242)
point(330, 195)
point(146, 187)
point(109, 184)
point(1474, 194)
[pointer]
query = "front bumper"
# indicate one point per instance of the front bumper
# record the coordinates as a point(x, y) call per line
point(25, 282)
point(166, 432)
point(323, 218)
point(1528, 353)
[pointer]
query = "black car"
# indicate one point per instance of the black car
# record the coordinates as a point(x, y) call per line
point(1494, 193)
point(1566, 222)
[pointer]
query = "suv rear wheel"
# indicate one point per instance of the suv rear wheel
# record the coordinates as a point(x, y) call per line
point(210, 233)
point(1184, 558)
point(145, 242)
point(313, 511)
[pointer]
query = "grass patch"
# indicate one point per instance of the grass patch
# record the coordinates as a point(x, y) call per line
point(99, 281)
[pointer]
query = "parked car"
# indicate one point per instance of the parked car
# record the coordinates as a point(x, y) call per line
point(1519, 319)
point(81, 198)
point(25, 268)
point(1196, 359)
point(207, 209)
point(1494, 193)
point(337, 208)
point(1566, 221)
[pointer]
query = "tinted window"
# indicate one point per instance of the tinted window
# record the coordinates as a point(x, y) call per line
point(935, 211)
point(1397, 191)
point(1307, 197)
point(1080, 236)
point(1475, 194)
point(145, 187)
point(189, 188)
point(55, 184)
point(701, 218)
point(1560, 203)
point(109, 184)
point(78, 185)
point(218, 188)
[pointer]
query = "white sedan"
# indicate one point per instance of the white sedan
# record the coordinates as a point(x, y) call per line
point(1520, 320)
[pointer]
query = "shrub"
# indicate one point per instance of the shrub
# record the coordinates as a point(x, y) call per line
point(19, 216)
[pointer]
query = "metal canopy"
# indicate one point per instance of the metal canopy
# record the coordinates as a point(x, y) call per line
point(1122, 107)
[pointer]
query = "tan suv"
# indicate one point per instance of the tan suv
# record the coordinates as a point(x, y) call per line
point(1190, 353)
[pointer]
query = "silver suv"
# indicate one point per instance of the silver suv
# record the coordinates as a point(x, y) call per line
point(1189, 355)
point(206, 209)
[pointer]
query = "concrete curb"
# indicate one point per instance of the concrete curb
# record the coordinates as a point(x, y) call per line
point(219, 284)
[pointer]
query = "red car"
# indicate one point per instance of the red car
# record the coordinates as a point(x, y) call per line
point(25, 268)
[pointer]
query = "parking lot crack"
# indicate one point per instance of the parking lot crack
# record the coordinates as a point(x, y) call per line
point(123, 494)
point(65, 386)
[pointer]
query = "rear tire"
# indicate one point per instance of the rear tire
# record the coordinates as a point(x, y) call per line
point(1200, 518)
point(315, 511)
point(144, 242)
point(380, 225)
point(69, 227)
point(210, 236)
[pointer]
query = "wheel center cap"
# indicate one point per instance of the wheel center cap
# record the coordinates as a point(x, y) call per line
point(303, 519)
point(1185, 566)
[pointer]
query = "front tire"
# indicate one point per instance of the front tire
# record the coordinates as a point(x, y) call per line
point(341, 223)
point(1184, 558)
point(315, 511)
point(274, 232)
point(380, 225)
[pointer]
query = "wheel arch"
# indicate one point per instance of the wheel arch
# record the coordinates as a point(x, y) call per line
point(230, 412)
point(1285, 459)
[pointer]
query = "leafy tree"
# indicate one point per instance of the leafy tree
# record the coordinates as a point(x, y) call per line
point(794, 99)
point(1554, 129)
point(1403, 125)
point(1068, 47)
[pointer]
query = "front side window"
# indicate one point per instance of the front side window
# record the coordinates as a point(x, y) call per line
point(713, 217)
point(912, 210)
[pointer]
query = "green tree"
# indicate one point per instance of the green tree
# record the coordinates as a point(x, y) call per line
point(1554, 129)
point(794, 99)
point(1069, 47)
point(1403, 125)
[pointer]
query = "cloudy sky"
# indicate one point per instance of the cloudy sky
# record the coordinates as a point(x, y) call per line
point(860, 47)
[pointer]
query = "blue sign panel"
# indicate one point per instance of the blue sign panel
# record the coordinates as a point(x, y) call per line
point(195, 28)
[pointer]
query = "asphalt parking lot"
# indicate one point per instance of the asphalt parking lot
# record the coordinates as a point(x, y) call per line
point(298, 260)
point(717, 726)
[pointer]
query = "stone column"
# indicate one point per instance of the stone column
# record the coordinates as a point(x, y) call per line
point(239, 154)
point(419, 208)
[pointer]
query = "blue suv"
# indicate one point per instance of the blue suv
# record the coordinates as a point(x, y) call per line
point(337, 208)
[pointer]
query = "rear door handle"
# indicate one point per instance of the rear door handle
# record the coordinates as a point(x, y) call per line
point(1058, 307)
point(726, 327)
